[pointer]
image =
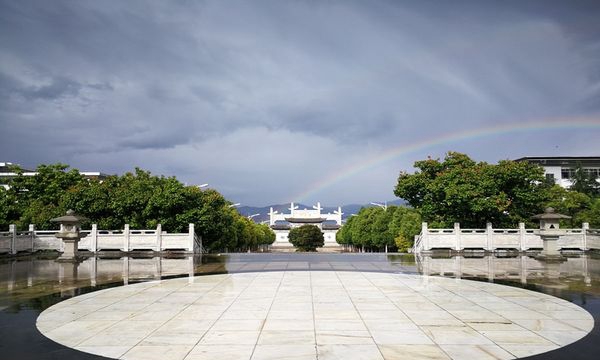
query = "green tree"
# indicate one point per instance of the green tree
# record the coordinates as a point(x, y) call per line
point(306, 238)
point(459, 189)
point(404, 225)
point(591, 215)
point(36, 199)
point(137, 198)
point(363, 228)
point(344, 234)
point(266, 234)
point(373, 228)
point(584, 182)
point(569, 202)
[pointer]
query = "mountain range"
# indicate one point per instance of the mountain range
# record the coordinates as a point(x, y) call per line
point(347, 210)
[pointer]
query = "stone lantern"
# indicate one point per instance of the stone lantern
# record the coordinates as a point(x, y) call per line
point(70, 233)
point(550, 233)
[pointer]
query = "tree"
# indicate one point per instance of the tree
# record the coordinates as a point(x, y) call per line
point(267, 235)
point(584, 182)
point(137, 198)
point(569, 202)
point(591, 215)
point(374, 228)
point(306, 238)
point(36, 199)
point(459, 189)
point(344, 234)
point(405, 224)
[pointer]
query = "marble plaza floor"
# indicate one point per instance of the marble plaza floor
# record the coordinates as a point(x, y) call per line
point(315, 315)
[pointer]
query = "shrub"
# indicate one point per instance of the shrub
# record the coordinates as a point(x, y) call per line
point(306, 238)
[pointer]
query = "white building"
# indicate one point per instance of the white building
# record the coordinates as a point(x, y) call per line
point(561, 169)
point(328, 223)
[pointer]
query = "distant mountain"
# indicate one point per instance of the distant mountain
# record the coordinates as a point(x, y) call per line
point(284, 208)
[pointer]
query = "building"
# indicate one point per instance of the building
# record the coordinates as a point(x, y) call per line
point(561, 169)
point(7, 173)
point(283, 223)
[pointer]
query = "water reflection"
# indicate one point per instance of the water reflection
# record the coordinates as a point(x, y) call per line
point(579, 272)
point(34, 276)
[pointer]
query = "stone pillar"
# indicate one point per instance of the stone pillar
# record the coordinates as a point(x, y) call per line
point(159, 237)
point(457, 245)
point(126, 238)
point(94, 238)
point(12, 228)
point(585, 227)
point(425, 236)
point(489, 233)
point(32, 234)
point(522, 245)
point(191, 237)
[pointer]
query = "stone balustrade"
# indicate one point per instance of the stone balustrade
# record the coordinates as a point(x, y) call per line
point(490, 239)
point(13, 241)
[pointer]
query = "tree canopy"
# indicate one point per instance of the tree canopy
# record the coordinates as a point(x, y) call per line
point(375, 228)
point(459, 189)
point(306, 237)
point(584, 182)
point(137, 198)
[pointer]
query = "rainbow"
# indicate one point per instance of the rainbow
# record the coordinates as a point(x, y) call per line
point(394, 152)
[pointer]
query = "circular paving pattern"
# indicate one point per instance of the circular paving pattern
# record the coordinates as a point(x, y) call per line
point(310, 314)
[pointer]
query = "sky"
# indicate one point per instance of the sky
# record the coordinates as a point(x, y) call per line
point(277, 101)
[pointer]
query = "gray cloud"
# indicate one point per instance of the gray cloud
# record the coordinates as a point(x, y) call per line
point(110, 83)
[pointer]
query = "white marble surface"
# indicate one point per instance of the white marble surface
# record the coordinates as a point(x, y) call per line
point(310, 314)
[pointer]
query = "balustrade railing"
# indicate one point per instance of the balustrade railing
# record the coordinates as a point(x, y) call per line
point(125, 240)
point(491, 239)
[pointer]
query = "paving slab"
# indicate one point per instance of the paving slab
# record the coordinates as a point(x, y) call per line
point(315, 314)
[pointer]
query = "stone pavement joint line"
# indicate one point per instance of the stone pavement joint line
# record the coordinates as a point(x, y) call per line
point(314, 315)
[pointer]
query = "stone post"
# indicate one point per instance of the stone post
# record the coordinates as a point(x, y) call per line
point(522, 245)
point(94, 238)
point(126, 238)
point(191, 237)
point(12, 228)
point(585, 227)
point(457, 245)
point(425, 236)
point(32, 234)
point(489, 233)
point(159, 237)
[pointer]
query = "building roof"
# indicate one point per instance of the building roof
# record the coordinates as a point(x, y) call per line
point(280, 227)
point(305, 220)
point(570, 161)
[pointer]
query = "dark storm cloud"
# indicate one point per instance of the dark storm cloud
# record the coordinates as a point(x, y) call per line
point(138, 81)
